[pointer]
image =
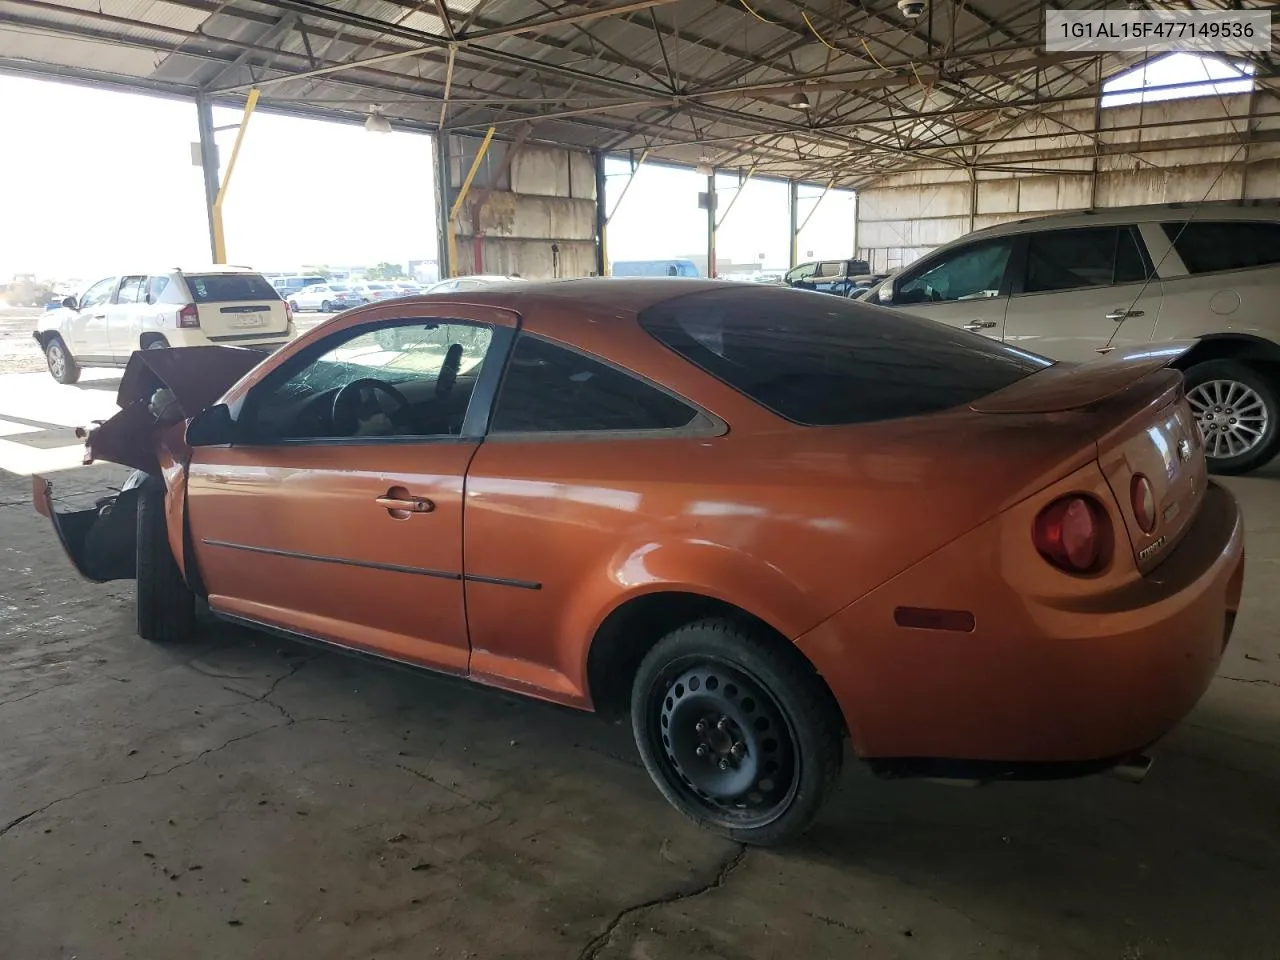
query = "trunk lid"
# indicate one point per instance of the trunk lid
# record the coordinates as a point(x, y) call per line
point(237, 306)
point(1135, 409)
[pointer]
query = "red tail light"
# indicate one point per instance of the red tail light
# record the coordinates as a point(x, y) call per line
point(1144, 502)
point(288, 311)
point(189, 316)
point(1074, 534)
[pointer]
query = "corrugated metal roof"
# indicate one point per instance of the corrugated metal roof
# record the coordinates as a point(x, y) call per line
point(687, 79)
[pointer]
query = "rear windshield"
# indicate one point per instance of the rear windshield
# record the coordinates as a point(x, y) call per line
point(218, 287)
point(822, 360)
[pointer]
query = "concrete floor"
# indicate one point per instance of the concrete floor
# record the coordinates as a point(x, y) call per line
point(244, 797)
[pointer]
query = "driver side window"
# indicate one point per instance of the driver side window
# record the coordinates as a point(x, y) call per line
point(404, 381)
point(99, 293)
point(972, 273)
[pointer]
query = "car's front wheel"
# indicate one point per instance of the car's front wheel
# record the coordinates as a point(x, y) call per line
point(62, 366)
point(165, 605)
point(737, 730)
point(1238, 413)
point(326, 307)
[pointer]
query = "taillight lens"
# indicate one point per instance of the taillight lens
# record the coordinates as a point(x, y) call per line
point(288, 311)
point(1073, 534)
point(189, 316)
point(1143, 500)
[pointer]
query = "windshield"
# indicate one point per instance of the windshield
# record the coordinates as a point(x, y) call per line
point(219, 287)
point(820, 360)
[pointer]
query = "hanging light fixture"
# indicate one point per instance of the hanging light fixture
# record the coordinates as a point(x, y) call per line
point(799, 101)
point(376, 122)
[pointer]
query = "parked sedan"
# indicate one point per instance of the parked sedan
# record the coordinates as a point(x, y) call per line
point(325, 297)
point(374, 291)
point(759, 520)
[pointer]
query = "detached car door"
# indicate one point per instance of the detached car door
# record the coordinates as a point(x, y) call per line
point(966, 287)
point(1081, 293)
point(337, 512)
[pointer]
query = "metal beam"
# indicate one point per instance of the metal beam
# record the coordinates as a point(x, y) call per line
point(209, 166)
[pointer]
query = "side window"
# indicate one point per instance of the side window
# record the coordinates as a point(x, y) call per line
point(971, 273)
point(1206, 247)
point(99, 293)
point(1131, 265)
point(156, 287)
point(130, 290)
point(830, 270)
point(550, 389)
point(802, 272)
point(408, 380)
point(1071, 259)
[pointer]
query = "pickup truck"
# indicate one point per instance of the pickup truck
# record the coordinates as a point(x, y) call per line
point(828, 276)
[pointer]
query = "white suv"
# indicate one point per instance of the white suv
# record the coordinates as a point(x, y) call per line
point(1074, 286)
point(232, 306)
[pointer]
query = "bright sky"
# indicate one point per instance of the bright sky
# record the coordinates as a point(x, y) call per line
point(104, 181)
point(1177, 68)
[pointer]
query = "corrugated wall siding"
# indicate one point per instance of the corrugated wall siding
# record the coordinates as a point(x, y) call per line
point(1172, 151)
point(538, 221)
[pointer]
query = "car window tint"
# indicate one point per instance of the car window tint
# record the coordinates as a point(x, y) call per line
point(99, 293)
point(432, 364)
point(971, 273)
point(1131, 266)
point(156, 286)
point(820, 360)
point(1206, 247)
point(219, 287)
point(130, 290)
point(830, 270)
point(1071, 259)
point(550, 389)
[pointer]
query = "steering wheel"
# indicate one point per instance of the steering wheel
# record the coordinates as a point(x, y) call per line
point(358, 401)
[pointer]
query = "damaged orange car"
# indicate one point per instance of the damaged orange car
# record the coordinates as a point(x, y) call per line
point(763, 521)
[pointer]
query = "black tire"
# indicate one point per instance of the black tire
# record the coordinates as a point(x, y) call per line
point(165, 604)
point(1235, 404)
point(737, 730)
point(326, 307)
point(62, 366)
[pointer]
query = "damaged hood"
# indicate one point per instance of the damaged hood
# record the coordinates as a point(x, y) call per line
point(194, 377)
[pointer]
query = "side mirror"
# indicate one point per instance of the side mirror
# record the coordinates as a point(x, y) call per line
point(150, 300)
point(887, 290)
point(211, 427)
point(70, 303)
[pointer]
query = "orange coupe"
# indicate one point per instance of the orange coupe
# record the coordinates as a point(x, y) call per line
point(762, 520)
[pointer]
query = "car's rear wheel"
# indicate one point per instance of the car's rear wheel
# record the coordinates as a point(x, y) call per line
point(165, 604)
point(326, 307)
point(62, 366)
point(1238, 413)
point(737, 731)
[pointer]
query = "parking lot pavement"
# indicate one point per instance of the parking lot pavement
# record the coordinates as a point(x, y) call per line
point(242, 796)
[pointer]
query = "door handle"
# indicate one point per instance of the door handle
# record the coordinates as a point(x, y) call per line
point(1118, 315)
point(979, 324)
point(400, 504)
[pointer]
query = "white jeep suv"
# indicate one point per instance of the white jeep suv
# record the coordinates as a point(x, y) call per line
point(232, 306)
point(1078, 285)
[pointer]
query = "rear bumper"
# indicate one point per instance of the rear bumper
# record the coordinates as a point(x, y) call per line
point(258, 341)
point(1083, 681)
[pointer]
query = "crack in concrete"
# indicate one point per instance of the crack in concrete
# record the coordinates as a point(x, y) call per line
point(1270, 683)
point(602, 940)
point(447, 789)
point(36, 693)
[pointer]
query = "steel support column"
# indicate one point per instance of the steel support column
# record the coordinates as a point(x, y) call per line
point(711, 223)
point(208, 164)
point(793, 204)
point(444, 267)
point(602, 218)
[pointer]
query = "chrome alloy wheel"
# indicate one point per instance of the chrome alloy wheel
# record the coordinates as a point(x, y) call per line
point(1233, 419)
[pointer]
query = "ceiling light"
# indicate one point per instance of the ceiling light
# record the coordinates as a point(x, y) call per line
point(377, 123)
point(799, 101)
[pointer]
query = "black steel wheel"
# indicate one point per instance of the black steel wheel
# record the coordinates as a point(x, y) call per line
point(736, 730)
